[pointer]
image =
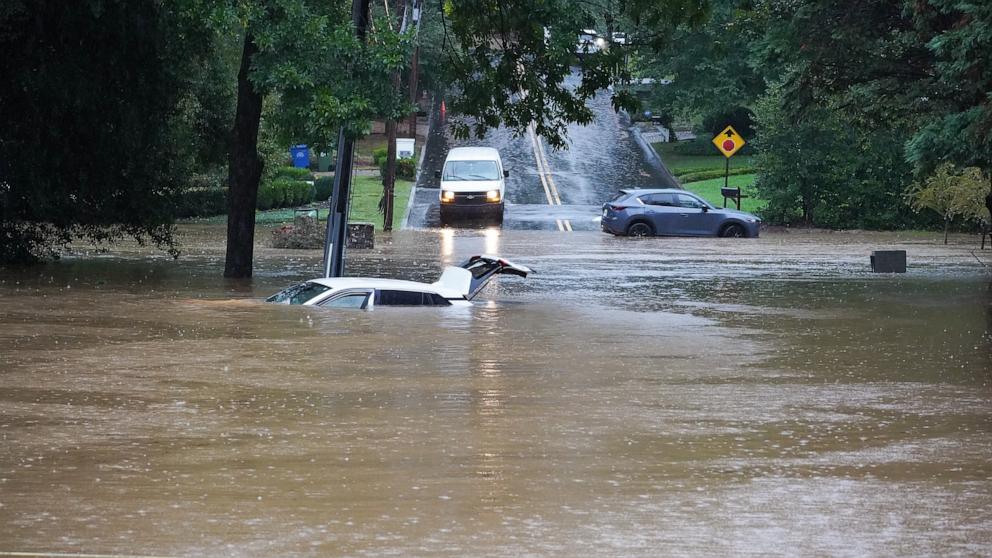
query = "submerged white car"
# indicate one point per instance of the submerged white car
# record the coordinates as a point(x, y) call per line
point(456, 287)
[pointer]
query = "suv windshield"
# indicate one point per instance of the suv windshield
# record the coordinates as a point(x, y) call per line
point(471, 170)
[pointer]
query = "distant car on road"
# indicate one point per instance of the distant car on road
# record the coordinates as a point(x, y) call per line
point(589, 42)
point(671, 212)
point(456, 287)
point(472, 183)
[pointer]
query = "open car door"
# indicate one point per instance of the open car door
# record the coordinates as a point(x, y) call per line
point(474, 273)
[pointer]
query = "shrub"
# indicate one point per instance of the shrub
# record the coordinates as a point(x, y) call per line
point(265, 196)
point(302, 193)
point(293, 173)
point(406, 169)
point(322, 188)
point(283, 195)
point(379, 156)
point(205, 196)
point(202, 202)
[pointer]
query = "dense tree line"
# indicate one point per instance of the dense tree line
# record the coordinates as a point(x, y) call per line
point(109, 106)
point(853, 101)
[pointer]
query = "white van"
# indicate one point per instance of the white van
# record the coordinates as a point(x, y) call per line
point(472, 183)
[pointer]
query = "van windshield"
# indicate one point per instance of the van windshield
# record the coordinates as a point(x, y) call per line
point(470, 170)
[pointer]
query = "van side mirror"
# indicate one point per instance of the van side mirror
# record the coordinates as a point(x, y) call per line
point(437, 174)
point(506, 174)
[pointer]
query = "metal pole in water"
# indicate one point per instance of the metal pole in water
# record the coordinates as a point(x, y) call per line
point(337, 220)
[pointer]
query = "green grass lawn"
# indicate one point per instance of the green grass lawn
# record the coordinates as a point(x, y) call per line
point(681, 164)
point(709, 190)
point(365, 194)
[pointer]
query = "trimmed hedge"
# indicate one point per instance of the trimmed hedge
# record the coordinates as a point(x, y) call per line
point(698, 176)
point(202, 202)
point(205, 196)
point(703, 146)
point(379, 156)
point(293, 173)
point(322, 188)
point(284, 192)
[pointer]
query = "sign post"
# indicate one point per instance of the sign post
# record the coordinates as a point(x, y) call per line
point(729, 142)
point(337, 220)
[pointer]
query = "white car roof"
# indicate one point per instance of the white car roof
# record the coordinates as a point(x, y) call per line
point(473, 154)
point(339, 283)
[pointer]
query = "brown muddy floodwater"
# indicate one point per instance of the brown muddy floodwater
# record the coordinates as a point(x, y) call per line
point(634, 398)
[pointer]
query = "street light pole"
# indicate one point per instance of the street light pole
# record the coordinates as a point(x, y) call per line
point(337, 221)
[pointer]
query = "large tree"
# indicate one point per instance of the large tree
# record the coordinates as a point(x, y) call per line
point(921, 68)
point(308, 56)
point(101, 121)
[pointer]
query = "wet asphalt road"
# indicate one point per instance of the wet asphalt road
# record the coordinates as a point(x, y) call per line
point(551, 190)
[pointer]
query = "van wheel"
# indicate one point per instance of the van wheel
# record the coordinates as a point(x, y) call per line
point(639, 228)
point(733, 230)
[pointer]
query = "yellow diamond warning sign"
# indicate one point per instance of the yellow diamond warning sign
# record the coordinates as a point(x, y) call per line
point(728, 142)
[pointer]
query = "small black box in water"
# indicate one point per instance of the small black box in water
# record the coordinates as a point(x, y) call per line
point(361, 235)
point(888, 261)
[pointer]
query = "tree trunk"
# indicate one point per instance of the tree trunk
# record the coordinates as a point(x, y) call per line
point(988, 198)
point(414, 77)
point(389, 176)
point(947, 225)
point(244, 171)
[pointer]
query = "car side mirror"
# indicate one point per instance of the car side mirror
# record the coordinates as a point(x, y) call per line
point(706, 209)
point(506, 174)
point(437, 174)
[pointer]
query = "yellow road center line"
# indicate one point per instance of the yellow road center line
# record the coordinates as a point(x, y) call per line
point(551, 180)
point(540, 165)
point(543, 173)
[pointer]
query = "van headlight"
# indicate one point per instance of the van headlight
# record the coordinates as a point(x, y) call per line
point(492, 195)
point(448, 196)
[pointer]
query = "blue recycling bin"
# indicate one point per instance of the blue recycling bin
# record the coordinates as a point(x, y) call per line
point(301, 156)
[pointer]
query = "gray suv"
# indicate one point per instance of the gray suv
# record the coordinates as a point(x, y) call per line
point(673, 212)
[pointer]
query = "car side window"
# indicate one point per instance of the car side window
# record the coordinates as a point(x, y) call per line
point(659, 199)
point(434, 299)
point(689, 201)
point(350, 300)
point(399, 298)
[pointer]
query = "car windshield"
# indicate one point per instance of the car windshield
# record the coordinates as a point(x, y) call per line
point(298, 294)
point(618, 197)
point(471, 170)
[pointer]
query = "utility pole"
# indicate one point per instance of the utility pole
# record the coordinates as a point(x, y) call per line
point(418, 14)
point(337, 221)
point(389, 174)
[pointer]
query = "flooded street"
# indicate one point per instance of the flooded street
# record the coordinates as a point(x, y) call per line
point(547, 187)
point(633, 398)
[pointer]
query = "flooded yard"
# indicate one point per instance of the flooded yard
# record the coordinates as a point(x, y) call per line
point(633, 398)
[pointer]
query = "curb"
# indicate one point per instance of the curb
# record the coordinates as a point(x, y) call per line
point(420, 166)
point(646, 145)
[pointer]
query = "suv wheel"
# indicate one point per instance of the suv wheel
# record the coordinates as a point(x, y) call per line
point(639, 228)
point(733, 230)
